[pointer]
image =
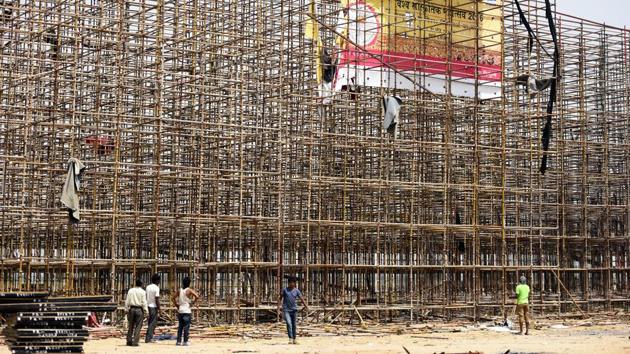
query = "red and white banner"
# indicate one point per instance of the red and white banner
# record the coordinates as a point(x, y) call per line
point(445, 49)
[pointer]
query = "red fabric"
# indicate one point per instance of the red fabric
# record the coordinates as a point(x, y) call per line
point(92, 320)
point(104, 145)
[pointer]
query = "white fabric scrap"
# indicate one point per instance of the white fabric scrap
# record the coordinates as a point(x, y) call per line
point(531, 85)
point(391, 111)
point(69, 194)
point(559, 326)
point(326, 92)
point(499, 329)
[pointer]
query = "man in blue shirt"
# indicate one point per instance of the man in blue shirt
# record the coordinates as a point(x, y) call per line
point(289, 297)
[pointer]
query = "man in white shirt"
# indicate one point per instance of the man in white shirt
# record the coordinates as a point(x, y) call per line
point(136, 308)
point(153, 300)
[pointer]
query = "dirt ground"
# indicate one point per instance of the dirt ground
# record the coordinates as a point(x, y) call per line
point(610, 339)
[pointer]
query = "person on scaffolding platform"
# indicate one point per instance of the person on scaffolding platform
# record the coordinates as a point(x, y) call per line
point(522, 304)
point(183, 299)
point(289, 297)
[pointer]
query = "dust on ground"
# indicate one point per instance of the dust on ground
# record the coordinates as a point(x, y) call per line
point(558, 338)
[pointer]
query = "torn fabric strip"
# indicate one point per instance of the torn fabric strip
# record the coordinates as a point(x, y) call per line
point(391, 111)
point(70, 191)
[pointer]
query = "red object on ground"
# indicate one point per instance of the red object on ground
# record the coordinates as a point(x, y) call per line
point(93, 321)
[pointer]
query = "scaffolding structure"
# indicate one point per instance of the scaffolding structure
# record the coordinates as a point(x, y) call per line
point(209, 153)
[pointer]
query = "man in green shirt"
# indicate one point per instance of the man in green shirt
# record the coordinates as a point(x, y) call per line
point(522, 304)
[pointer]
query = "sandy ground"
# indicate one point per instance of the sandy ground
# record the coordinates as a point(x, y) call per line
point(610, 339)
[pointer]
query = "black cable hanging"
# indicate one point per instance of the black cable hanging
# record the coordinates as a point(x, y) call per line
point(546, 133)
point(530, 32)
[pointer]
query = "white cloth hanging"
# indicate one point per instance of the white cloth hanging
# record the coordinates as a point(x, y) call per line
point(533, 85)
point(69, 193)
point(391, 111)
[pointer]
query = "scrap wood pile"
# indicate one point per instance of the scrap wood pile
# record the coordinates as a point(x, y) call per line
point(271, 330)
point(259, 331)
point(105, 332)
point(196, 331)
point(37, 323)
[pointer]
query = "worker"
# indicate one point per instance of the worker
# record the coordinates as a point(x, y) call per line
point(183, 300)
point(153, 301)
point(522, 304)
point(136, 308)
point(288, 298)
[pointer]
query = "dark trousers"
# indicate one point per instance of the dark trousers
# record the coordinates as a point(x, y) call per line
point(290, 318)
point(152, 322)
point(184, 327)
point(134, 317)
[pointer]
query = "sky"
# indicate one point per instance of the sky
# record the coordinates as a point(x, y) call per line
point(612, 12)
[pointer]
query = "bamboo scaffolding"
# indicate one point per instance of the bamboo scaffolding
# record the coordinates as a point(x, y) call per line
point(218, 160)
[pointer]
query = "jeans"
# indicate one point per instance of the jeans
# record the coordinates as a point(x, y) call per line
point(152, 322)
point(135, 316)
point(184, 326)
point(290, 318)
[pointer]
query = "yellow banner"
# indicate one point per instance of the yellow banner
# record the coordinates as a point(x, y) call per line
point(465, 20)
point(460, 30)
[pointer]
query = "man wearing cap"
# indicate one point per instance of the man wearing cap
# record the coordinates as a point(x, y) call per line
point(522, 304)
